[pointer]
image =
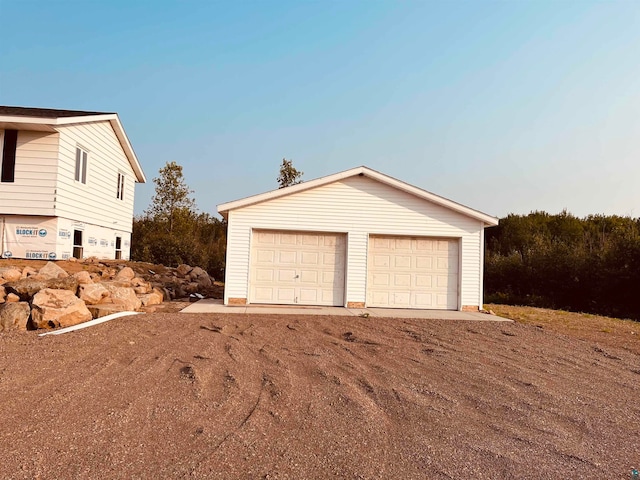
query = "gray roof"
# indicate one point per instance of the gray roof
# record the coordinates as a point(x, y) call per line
point(46, 112)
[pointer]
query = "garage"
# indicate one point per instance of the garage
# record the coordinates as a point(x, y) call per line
point(358, 239)
point(297, 268)
point(412, 272)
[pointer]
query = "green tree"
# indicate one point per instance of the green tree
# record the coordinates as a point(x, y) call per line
point(289, 175)
point(172, 202)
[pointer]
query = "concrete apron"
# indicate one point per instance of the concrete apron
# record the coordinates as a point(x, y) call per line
point(210, 305)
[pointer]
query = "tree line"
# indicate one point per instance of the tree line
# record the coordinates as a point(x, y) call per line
point(589, 264)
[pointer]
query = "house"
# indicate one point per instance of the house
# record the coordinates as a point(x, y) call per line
point(358, 239)
point(67, 182)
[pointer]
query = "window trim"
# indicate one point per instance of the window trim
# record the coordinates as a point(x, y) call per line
point(81, 167)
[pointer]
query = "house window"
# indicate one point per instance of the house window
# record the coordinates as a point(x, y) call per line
point(120, 190)
point(9, 156)
point(81, 165)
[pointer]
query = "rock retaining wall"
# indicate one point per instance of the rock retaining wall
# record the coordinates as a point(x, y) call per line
point(51, 297)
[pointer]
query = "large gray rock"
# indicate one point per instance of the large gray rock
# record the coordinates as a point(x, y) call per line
point(92, 293)
point(14, 316)
point(201, 277)
point(51, 270)
point(10, 274)
point(53, 308)
point(26, 288)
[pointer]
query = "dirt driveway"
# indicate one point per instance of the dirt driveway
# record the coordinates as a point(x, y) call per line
point(268, 397)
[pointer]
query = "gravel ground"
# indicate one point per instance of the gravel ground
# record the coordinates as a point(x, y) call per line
point(271, 397)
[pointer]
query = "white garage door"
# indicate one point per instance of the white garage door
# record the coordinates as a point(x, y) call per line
point(412, 272)
point(296, 268)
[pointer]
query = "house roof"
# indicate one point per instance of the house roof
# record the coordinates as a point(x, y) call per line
point(489, 220)
point(47, 119)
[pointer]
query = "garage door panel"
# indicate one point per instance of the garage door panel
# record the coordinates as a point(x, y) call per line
point(381, 260)
point(401, 299)
point(264, 275)
point(297, 268)
point(402, 261)
point(264, 294)
point(288, 239)
point(423, 300)
point(309, 295)
point(412, 272)
point(284, 275)
point(309, 258)
point(402, 244)
point(332, 259)
point(285, 295)
point(381, 280)
point(309, 276)
point(424, 263)
point(266, 256)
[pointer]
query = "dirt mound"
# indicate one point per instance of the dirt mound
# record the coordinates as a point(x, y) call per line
point(238, 396)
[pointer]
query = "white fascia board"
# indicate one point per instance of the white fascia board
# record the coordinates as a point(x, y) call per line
point(128, 149)
point(488, 220)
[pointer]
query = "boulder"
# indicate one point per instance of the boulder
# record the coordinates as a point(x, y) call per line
point(125, 275)
point(123, 296)
point(191, 287)
point(10, 274)
point(92, 293)
point(156, 297)
point(12, 298)
point(201, 277)
point(26, 288)
point(3, 294)
point(104, 309)
point(29, 272)
point(14, 316)
point(53, 308)
point(83, 277)
point(140, 286)
point(51, 270)
point(183, 270)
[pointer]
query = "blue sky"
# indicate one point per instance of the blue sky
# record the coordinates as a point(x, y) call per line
point(503, 106)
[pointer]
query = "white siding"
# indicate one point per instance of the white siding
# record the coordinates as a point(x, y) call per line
point(33, 191)
point(358, 206)
point(96, 202)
